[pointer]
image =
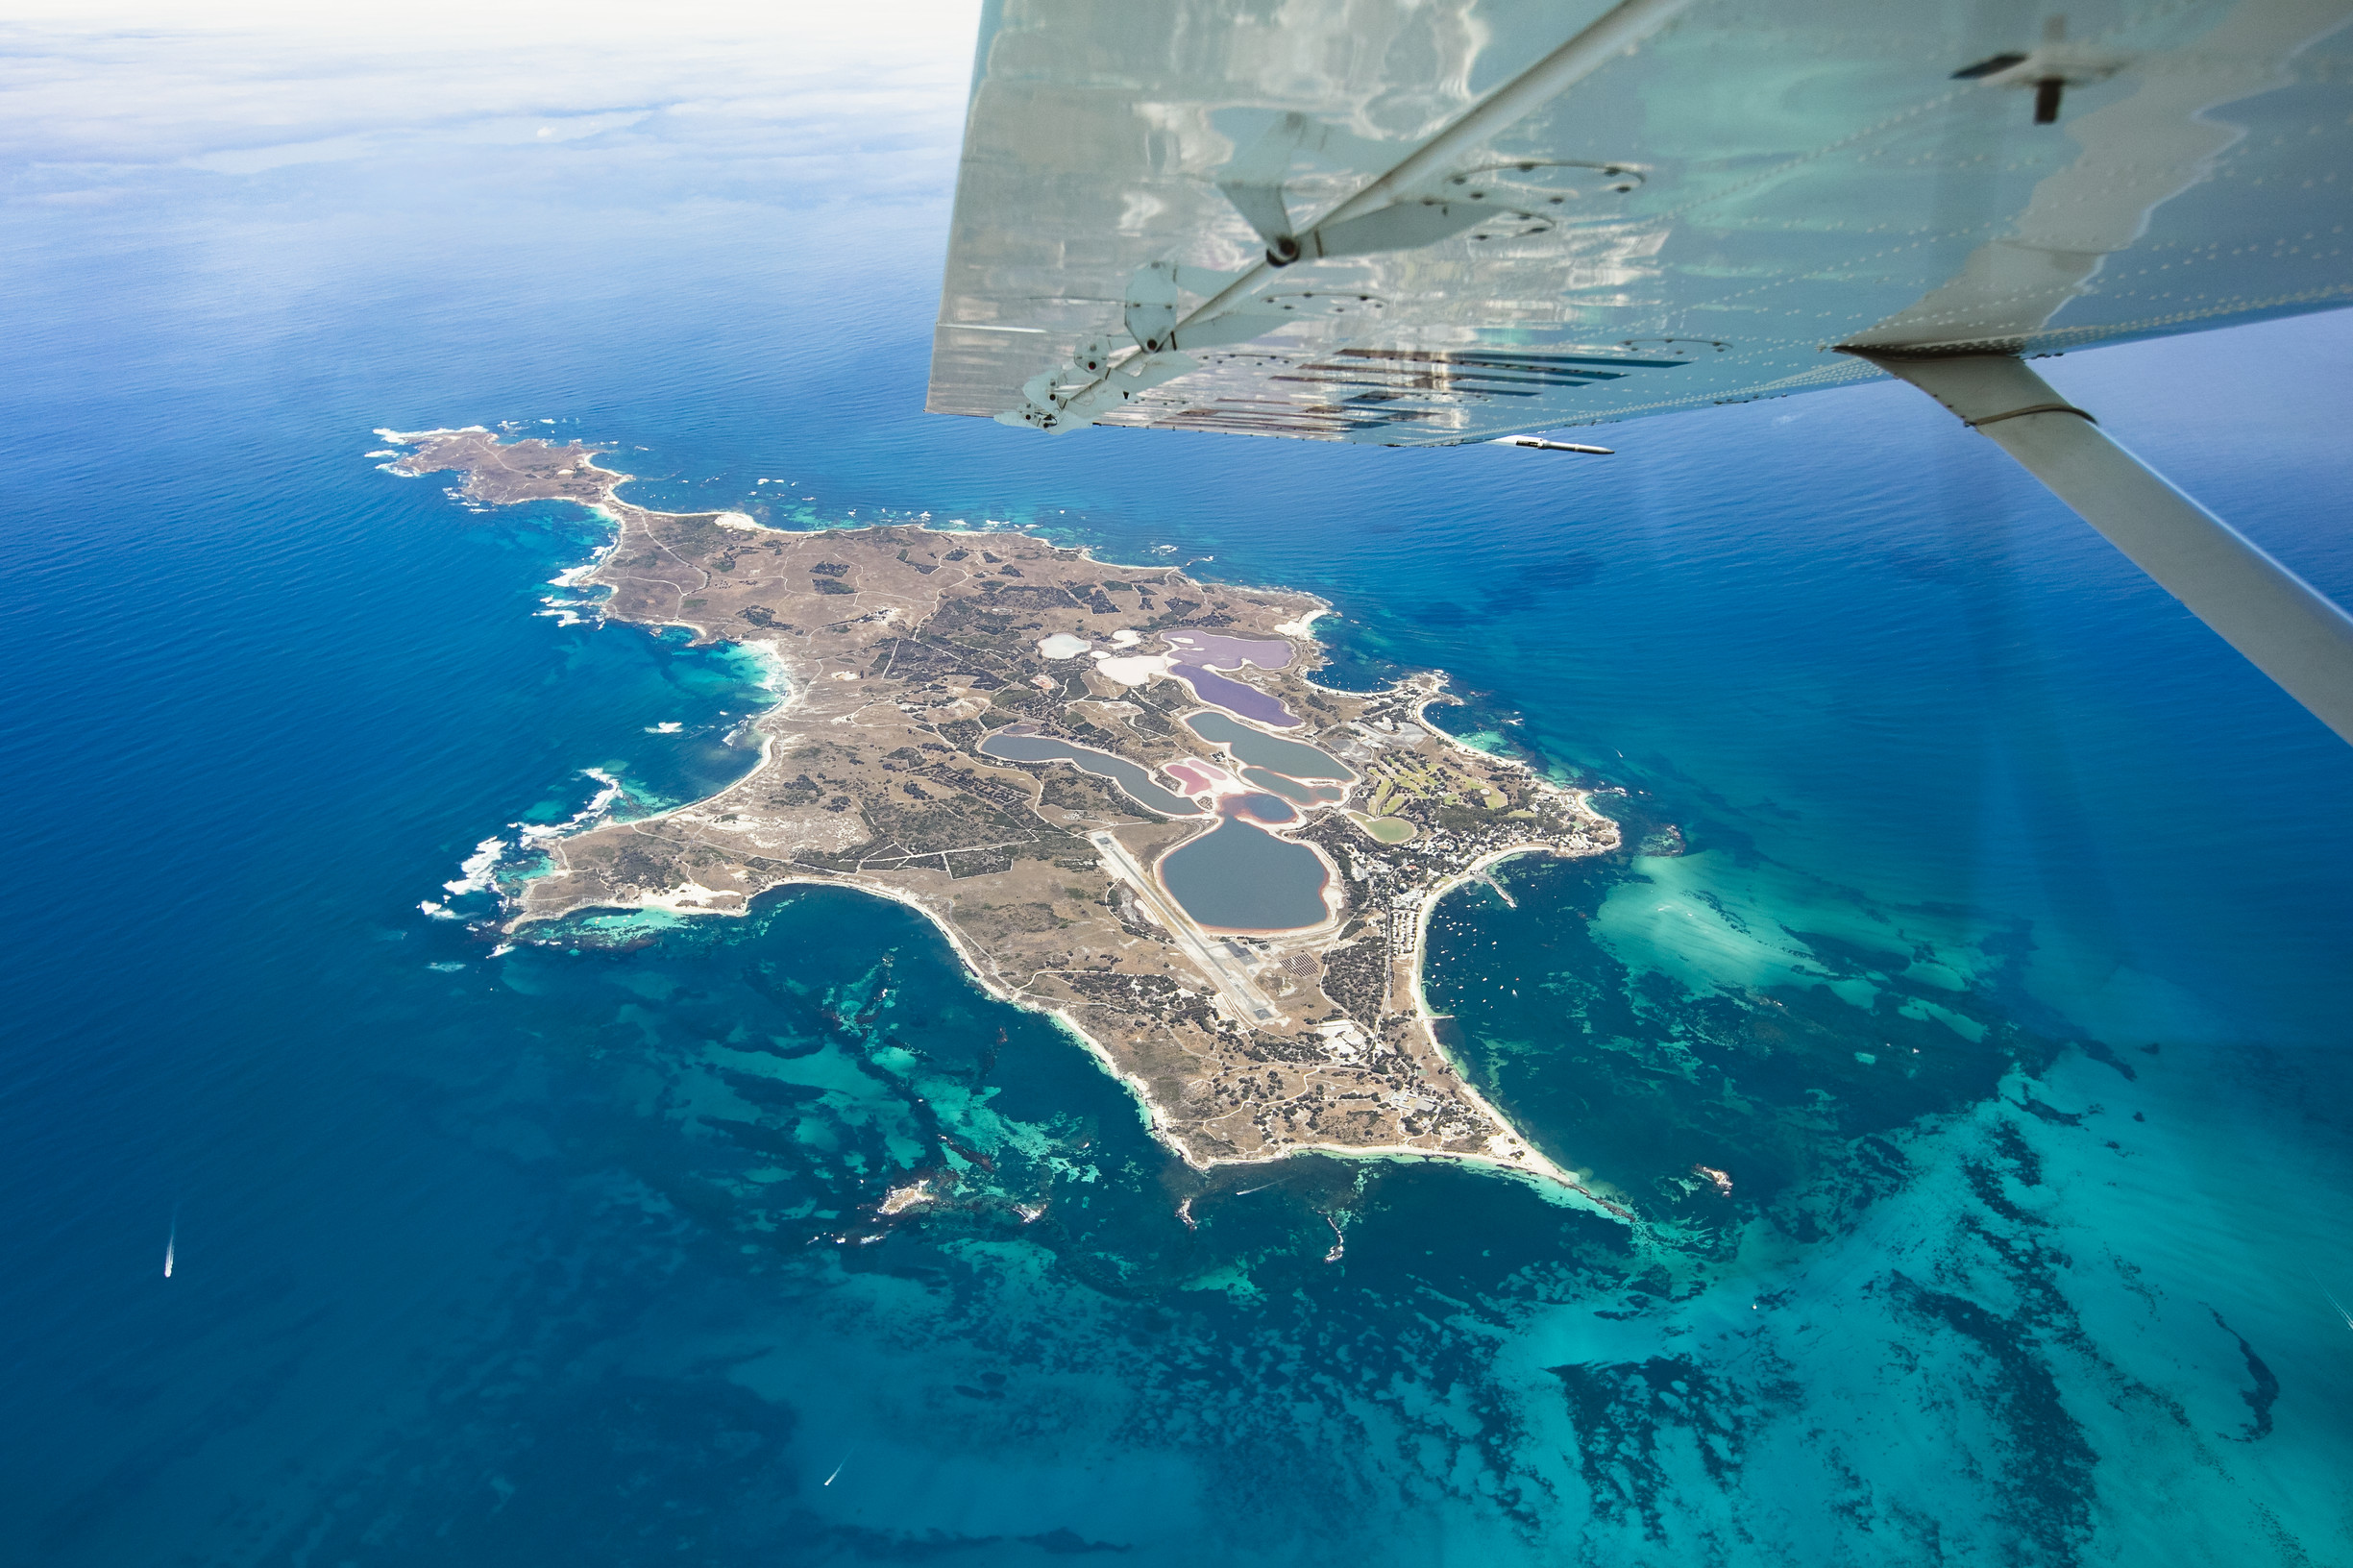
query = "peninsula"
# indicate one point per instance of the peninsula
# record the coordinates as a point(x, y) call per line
point(1117, 790)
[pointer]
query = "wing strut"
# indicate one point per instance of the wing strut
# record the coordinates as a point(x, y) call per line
point(2286, 628)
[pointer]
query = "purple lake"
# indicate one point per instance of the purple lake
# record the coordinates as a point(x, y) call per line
point(1206, 648)
point(1248, 701)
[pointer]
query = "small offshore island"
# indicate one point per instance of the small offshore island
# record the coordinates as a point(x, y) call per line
point(1114, 788)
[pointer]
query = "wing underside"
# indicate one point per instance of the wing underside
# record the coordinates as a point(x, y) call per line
point(1703, 206)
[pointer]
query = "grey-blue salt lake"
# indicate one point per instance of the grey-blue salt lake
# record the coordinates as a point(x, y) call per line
point(1294, 757)
point(1238, 877)
point(1102, 763)
point(1291, 790)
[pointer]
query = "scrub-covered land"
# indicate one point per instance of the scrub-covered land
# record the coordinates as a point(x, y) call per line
point(1117, 789)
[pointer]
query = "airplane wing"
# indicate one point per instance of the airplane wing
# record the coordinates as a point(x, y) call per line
point(1419, 224)
point(1691, 203)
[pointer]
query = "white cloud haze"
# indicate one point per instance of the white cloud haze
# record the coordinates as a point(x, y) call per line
point(89, 96)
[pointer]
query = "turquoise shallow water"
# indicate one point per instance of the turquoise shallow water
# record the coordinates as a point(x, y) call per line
point(1999, 975)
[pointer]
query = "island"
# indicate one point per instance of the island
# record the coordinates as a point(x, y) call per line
point(1117, 790)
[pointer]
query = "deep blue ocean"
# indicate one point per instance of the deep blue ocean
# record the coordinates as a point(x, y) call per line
point(2003, 967)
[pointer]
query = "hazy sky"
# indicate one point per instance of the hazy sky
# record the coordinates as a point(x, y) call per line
point(90, 94)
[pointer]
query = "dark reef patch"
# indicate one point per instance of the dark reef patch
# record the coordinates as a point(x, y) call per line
point(2046, 1487)
point(1632, 1416)
point(2263, 1396)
